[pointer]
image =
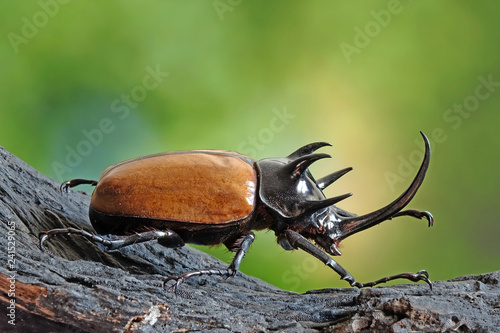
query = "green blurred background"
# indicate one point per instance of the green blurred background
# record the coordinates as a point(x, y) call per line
point(263, 78)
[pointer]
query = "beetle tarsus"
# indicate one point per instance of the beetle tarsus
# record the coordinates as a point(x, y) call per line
point(75, 182)
point(180, 279)
point(414, 277)
point(417, 214)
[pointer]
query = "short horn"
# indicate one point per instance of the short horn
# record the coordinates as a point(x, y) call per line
point(326, 181)
point(308, 149)
point(313, 206)
point(298, 166)
point(352, 225)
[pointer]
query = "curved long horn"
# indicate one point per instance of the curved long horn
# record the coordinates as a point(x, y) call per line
point(352, 225)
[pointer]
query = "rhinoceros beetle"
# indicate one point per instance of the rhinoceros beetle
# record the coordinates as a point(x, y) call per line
point(212, 197)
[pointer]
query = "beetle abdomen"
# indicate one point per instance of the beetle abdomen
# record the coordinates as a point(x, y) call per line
point(195, 186)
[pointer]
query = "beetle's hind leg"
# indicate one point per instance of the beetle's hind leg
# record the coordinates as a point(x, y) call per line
point(165, 237)
point(241, 247)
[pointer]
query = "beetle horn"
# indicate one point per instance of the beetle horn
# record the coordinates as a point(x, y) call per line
point(308, 149)
point(328, 180)
point(299, 165)
point(351, 225)
point(310, 206)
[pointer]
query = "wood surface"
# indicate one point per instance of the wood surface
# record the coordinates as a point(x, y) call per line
point(75, 286)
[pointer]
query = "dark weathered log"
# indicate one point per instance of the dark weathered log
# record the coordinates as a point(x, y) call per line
point(77, 287)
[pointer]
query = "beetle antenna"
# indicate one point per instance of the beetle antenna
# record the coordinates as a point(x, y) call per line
point(326, 181)
point(300, 165)
point(351, 225)
point(308, 149)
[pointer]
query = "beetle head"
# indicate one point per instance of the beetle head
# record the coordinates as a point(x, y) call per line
point(288, 188)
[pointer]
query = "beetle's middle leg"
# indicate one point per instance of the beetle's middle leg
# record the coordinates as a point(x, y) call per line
point(298, 241)
point(241, 247)
point(166, 237)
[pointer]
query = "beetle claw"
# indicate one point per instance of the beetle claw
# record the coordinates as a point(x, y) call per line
point(423, 272)
point(417, 214)
point(179, 279)
point(415, 277)
point(42, 236)
point(64, 186)
point(429, 217)
point(422, 275)
point(423, 215)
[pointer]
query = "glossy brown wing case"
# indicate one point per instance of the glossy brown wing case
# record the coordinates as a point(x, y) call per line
point(194, 186)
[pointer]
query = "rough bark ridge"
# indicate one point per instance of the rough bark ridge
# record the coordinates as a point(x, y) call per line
point(77, 287)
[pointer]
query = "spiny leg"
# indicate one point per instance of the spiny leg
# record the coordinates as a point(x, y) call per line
point(167, 237)
point(300, 242)
point(243, 244)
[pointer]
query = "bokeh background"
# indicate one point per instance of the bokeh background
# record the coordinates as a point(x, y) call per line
point(86, 85)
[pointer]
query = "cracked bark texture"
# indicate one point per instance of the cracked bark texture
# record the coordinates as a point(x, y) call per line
point(75, 286)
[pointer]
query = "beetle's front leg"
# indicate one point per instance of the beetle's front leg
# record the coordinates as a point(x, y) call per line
point(298, 241)
point(241, 247)
point(417, 214)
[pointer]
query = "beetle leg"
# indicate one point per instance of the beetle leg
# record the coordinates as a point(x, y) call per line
point(300, 242)
point(242, 246)
point(415, 277)
point(163, 237)
point(417, 214)
point(75, 182)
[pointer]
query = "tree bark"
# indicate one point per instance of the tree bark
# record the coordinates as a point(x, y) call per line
point(76, 286)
